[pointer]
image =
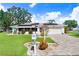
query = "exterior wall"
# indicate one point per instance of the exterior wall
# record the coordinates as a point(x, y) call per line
point(38, 31)
point(55, 31)
point(62, 30)
point(24, 30)
point(52, 29)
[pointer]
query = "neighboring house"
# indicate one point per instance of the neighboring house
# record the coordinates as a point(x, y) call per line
point(52, 28)
point(76, 29)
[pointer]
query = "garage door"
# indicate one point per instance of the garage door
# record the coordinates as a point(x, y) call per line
point(54, 31)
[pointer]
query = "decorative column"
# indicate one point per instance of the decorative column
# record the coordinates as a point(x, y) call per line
point(62, 30)
point(13, 30)
point(17, 30)
point(38, 30)
point(44, 34)
point(34, 42)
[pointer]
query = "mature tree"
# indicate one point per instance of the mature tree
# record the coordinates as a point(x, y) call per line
point(14, 16)
point(1, 16)
point(71, 24)
point(5, 20)
point(19, 15)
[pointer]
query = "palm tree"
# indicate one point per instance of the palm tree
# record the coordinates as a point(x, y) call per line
point(43, 44)
point(51, 21)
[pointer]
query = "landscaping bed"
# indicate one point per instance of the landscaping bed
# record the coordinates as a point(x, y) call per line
point(47, 52)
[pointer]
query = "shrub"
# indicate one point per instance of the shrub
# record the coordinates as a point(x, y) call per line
point(23, 31)
point(65, 29)
point(30, 31)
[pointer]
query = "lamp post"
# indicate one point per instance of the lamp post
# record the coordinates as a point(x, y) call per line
point(34, 41)
point(44, 33)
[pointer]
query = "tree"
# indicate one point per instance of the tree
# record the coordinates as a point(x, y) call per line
point(14, 16)
point(71, 24)
point(51, 21)
point(19, 15)
point(43, 43)
point(1, 16)
point(5, 20)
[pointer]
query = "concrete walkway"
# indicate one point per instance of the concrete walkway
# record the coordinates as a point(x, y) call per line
point(67, 45)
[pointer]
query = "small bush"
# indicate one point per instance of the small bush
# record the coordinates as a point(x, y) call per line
point(30, 31)
point(66, 29)
point(23, 31)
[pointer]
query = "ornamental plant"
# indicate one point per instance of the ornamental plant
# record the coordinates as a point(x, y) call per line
point(43, 44)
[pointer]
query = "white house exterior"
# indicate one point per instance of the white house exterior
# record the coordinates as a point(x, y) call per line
point(76, 29)
point(55, 29)
point(52, 28)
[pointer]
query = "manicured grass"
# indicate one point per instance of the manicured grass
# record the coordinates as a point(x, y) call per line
point(48, 39)
point(13, 45)
point(74, 34)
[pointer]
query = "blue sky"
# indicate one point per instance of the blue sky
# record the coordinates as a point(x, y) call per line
point(41, 10)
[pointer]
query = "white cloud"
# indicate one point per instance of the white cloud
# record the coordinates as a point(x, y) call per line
point(2, 7)
point(62, 19)
point(32, 5)
point(34, 19)
point(56, 16)
point(45, 17)
point(75, 14)
point(71, 16)
point(50, 15)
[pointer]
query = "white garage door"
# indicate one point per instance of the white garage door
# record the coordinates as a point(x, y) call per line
point(55, 31)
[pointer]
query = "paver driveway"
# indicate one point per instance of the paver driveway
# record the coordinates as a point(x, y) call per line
point(67, 45)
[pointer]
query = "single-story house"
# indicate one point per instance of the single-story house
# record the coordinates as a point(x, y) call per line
point(23, 28)
point(76, 29)
point(52, 28)
point(55, 28)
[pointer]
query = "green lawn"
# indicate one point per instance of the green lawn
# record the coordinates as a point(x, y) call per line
point(49, 40)
point(13, 45)
point(74, 34)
